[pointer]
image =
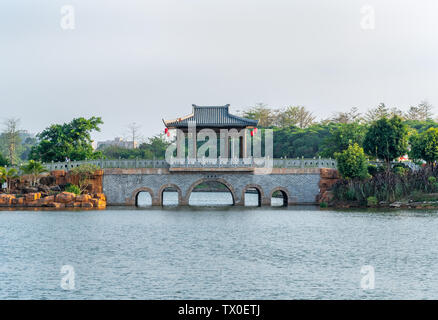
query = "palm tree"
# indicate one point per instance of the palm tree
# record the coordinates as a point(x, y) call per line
point(7, 176)
point(34, 168)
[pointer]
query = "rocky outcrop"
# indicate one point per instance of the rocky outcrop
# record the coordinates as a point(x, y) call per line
point(60, 200)
point(328, 177)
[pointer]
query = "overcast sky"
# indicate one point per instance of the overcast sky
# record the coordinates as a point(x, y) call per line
point(142, 60)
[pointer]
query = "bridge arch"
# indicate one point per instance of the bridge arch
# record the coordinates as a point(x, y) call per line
point(260, 192)
point(169, 185)
point(136, 192)
point(219, 180)
point(284, 192)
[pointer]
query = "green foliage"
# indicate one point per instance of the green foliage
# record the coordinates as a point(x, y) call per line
point(34, 168)
point(293, 142)
point(425, 145)
point(386, 139)
point(73, 189)
point(372, 169)
point(69, 140)
point(341, 136)
point(3, 160)
point(352, 162)
point(372, 201)
point(388, 186)
point(323, 205)
point(84, 172)
point(154, 148)
point(7, 175)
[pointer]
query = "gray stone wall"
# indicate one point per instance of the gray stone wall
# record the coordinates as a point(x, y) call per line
point(122, 188)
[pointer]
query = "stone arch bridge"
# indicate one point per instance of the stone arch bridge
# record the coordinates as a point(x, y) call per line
point(298, 185)
point(301, 181)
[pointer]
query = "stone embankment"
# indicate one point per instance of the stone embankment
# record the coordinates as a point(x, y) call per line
point(60, 200)
point(328, 177)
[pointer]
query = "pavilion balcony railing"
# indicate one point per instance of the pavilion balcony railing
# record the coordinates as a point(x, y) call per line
point(197, 163)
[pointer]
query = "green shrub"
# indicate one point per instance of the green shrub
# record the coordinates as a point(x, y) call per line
point(431, 180)
point(73, 189)
point(352, 163)
point(371, 201)
point(323, 205)
point(372, 169)
point(400, 171)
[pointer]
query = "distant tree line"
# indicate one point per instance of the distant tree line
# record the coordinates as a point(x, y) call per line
point(297, 133)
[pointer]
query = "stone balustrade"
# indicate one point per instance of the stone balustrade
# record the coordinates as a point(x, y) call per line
point(198, 163)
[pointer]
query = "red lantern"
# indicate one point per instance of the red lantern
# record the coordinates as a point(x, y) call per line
point(168, 133)
point(252, 133)
point(255, 130)
point(166, 130)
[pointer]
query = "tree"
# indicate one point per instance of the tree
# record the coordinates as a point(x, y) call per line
point(347, 117)
point(381, 111)
point(11, 137)
point(84, 173)
point(422, 112)
point(352, 162)
point(425, 110)
point(425, 146)
point(7, 175)
point(342, 136)
point(134, 129)
point(34, 168)
point(386, 139)
point(261, 113)
point(296, 116)
point(156, 146)
point(69, 140)
point(3, 161)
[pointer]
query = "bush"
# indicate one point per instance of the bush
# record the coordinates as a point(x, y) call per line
point(73, 189)
point(371, 201)
point(352, 163)
point(323, 205)
point(372, 169)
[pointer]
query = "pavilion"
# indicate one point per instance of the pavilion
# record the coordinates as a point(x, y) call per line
point(216, 118)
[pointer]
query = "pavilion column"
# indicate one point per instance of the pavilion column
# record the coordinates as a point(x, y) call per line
point(225, 144)
point(180, 145)
point(244, 144)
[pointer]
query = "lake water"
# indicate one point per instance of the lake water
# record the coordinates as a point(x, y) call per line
point(218, 253)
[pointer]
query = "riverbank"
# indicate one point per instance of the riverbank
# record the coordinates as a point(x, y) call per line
point(59, 200)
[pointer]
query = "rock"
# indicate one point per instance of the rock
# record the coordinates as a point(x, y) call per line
point(83, 198)
point(6, 199)
point(327, 197)
point(55, 188)
point(48, 180)
point(65, 197)
point(56, 205)
point(18, 201)
point(73, 205)
point(47, 200)
point(328, 173)
point(43, 188)
point(32, 196)
point(98, 203)
point(86, 205)
point(327, 183)
point(100, 196)
point(29, 190)
point(395, 204)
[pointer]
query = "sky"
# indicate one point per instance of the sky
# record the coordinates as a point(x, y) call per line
point(145, 60)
